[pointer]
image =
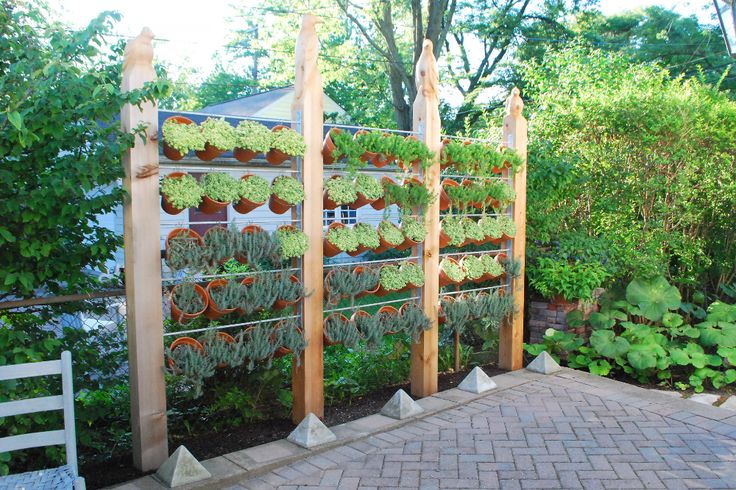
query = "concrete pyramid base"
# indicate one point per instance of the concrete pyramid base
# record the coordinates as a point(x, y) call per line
point(311, 432)
point(477, 381)
point(181, 468)
point(401, 406)
point(544, 364)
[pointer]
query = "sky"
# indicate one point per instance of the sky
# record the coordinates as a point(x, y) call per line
point(190, 33)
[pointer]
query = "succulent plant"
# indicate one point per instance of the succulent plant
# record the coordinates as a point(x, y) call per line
point(253, 136)
point(185, 252)
point(472, 230)
point(367, 235)
point(391, 278)
point(339, 329)
point(473, 267)
point(456, 313)
point(288, 188)
point(413, 229)
point(491, 266)
point(190, 364)
point(343, 238)
point(454, 228)
point(453, 270)
point(369, 187)
point(490, 227)
point(258, 246)
point(341, 190)
point(187, 299)
point(289, 141)
point(220, 186)
point(371, 329)
point(390, 232)
point(220, 244)
point(227, 296)
point(507, 225)
point(255, 188)
point(413, 321)
point(289, 335)
point(258, 344)
point(218, 133)
point(289, 290)
point(182, 192)
point(183, 137)
point(413, 274)
point(294, 242)
point(342, 282)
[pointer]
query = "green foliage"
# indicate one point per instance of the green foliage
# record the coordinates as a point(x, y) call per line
point(410, 195)
point(491, 265)
point(413, 321)
point(471, 230)
point(340, 330)
point(453, 270)
point(391, 278)
point(368, 186)
point(645, 338)
point(571, 280)
point(478, 159)
point(473, 267)
point(341, 190)
point(294, 242)
point(220, 186)
point(491, 227)
point(61, 146)
point(187, 299)
point(185, 252)
point(371, 329)
point(183, 137)
point(260, 246)
point(218, 133)
point(346, 283)
point(453, 228)
point(367, 235)
point(288, 188)
point(289, 141)
point(456, 313)
point(227, 296)
point(390, 232)
point(182, 192)
point(253, 136)
point(413, 273)
point(507, 225)
point(255, 188)
point(413, 229)
point(290, 336)
point(220, 244)
point(343, 238)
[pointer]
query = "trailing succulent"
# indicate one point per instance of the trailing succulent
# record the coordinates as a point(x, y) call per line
point(218, 133)
point(185, 252)
point(289, 141)
point(339, 329)
point(259, 246)
point(390, 233)
point(183, 137)
point(413, 321)
point(221, 187)
point(288, 188)
point(344, 283)
point(340, 190)
point(182, 192)
point(293, 242)
point(220, 244)
point(486, 310)
point(367, 235)
point(413, 229)
point(226, 296)
point(255, 188)
point(343, 238)
point(371, 329)
point(369, 187)
point(194, 367)
point(187, 299)
point(289, 336)
point(456, 313)
point(413, 273)
point(391, 278)
point(253, 136)
point(289, 290)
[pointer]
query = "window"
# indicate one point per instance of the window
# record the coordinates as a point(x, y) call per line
point(342, 214)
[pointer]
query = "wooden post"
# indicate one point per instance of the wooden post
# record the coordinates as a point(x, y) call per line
point(427, 124)
point(512, 332)
point(308, 378)
point(143, 265)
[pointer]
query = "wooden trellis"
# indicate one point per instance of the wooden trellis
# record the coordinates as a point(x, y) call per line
point(142, 241)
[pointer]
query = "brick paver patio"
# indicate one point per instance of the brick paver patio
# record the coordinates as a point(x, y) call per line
point(565, 431)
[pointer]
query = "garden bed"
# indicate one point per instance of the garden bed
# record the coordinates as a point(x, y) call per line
point(207, 445)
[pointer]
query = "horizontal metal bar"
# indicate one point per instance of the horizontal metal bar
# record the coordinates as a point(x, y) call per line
point(372, 304)
point(230, 116)
point(179, 224)
point(363, 262)
point(467, 138)
point(232, 325)
point(476, 252)
point(448, 293)
point(222, 164)
point(236, 274)
point(471, 177)
point(474, 215)
point(347, 126)
point(52, 300)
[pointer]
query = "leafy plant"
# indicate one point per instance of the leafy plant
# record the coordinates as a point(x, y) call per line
point(340, 190)
point(453, 270)
point(411, 195)
point(294, 242)
point(453, 228)
point(192, 366)
point(413, 273)
point(654, 297)
point(413, 229)
point(491, 227)
point(390, 233)
point(576, 280)
point(253, 136)
point(507, 225)
point(219, 133)
point(473, 267)
point(289, 141)
point(220, 244)
point(185, 252)
point(491, 265)
point(471, 229)
point(371, 329)
point(183, 137)
point(290, 336)
point(348, 149)
point(255, 188)
point(391, 278)
point(343, 238)
point(220, 186)
point(366, 235)
point(369, 187)
point(182, 192)
point(288, 188)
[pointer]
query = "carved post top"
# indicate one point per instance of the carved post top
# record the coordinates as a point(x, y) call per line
point(426, 75)
point(514, 103)
point(139, 50)
point(310, 20)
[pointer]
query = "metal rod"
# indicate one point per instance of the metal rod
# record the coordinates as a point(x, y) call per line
point(347, 126)
point(52, 300)
point(373, 304)
point(179, 224)
point(362, 262)
point(474, 215)
point(235, 274)
point(229, 116)
point(467, 138)
point(235, 166)
point(448, 293)
point(466, 176)
point(232, 325)
point(477, 252)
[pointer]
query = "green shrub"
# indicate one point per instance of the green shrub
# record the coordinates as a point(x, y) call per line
point(219, 133)
point(367, 235)
point(413, 229)
point(253, 136)
point(182, 192)
point(572, 280)
point(341, 190)
point(288, 188)
point(221, 187)
point(453, 270)
point(413, 273)
point(255, 188)
point(294, 242)
point(391, 278)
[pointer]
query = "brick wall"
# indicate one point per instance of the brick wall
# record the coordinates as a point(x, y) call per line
point(544, 315)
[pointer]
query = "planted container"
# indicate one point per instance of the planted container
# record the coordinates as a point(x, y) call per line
point(450, 272)
point(219, 137)
point(367, 156)
point(215, 311)
point(338, 192)
point(248, 229)
point(181, 342)
point(380, 203)
point(180, 136)
point(187, 233)
point(359, 270)
point(286, 192)
point(368, 190)
point(293, 241)
point(286, 143)
point(389, 317)
point(391, 280)
point(251, 138)
point(328, 147)
point(337, 329)
point(253, 191)
point(220, 189)
point(389, 235)
point(187, 301)
point(180, 191)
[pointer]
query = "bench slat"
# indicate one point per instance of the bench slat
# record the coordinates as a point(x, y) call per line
point(35, 439)
point(31, 405)
point(29, 370)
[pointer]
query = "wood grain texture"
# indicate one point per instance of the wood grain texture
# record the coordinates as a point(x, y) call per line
point(308, 378)
point(143, 266)
point(427, 124)
point(511, 333)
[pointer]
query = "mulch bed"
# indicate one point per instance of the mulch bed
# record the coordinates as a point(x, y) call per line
point(209, 445)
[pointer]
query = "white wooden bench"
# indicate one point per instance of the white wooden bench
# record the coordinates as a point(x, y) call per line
point(66, 476)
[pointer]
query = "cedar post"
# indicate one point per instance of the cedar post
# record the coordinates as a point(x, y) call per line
point(308, 378)
point(512, 332)
point(427, 124)
point(143, 265)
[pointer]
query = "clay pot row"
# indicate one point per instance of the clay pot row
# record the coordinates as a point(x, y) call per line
point(460, 297)
point(378, 290)
point(445, 240)
point(445, 201)
point(384, 309)
point(273, 156)
point(446, 162)
point(210, 206)
point(446, 281)
point(330, 250)
point(376, 159)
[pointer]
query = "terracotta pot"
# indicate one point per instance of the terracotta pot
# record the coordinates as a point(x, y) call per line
point(408, 165)
point(505, 237)
point(367, 156)
point(178, 315)
point(248, 229)
point(210, 206)
point(213, 312)
point(182, 341)
point(246, 205)
point(210, 152)
point(221, 335)
point(244, 155)
point(361, 249)
point(328, 146)
point(278, 205)
point(407, 243)
point(274, 156)
point(445, 201)
point(382, 160)
point(379, 204)
point(328, 203)
point(359, 270)
point(356, 314)
point(182, 231)
point(391, 311)
point(361, 201)
point(280, 304)
point(326, 339)
point(444, 239)
point(282, 351)
point(440, 312)
point(328, 249)
point(247, 281)
point(444, 279)
point(165, 204)
point(170, 152)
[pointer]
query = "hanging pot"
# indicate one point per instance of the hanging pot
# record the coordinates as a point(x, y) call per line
point(393, 312)
point(407, 243)
point(444, 279)
point(178, 315)
point(361, 201)
point(246, 282)
point(441, 317)
point(247, 229)
point(210, 152)
point(444, 161)
point(328, 146)
point(243, 154)
point(278, 205)
point(381, 159)
point(184, 341)
point(280, 304)
point(361, 249)
point(367, 156)
point(359, 270)
point(328, 249)
point(380, 203)
point(213, 312)
point(406, 166)
point(282, 351)
point(326, 339)
point(274, 156)
point(357, 314)
point(328, 203)
point(183, 231)
point(246, 205)
point(445, 200)
point(165, 204)
point(444, 239)
point(170, 152)
point(210, 206)
point(222, 336)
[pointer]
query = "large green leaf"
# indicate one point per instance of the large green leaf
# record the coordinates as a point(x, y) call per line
point(608, 344)
point(600, 367)
point(721, 312)
point(654, 297)
point(641, 357)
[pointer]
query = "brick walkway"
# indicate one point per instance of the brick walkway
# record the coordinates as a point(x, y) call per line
point(569, 430)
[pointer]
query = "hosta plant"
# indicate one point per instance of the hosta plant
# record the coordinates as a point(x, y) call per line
point(391, 278)
point(220, 186)
point(294, 242)
point(340, 190)
point(367, 235)
point(289, 141)
point(390, 233)
point(369, 187)
point(413, 273)
point(254, 136)
point(183, 137)
point(182, 192)
point(343, 238)
point(413, 229)
point(288, 188)
point(219, 133)
point(255, 188)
